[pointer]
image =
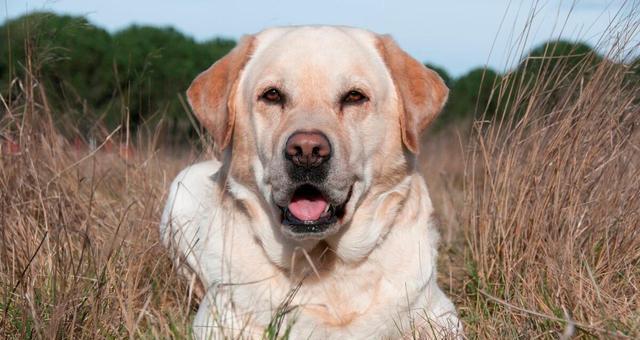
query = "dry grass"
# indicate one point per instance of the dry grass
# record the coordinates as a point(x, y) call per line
point(542, 236)
point(540, 217)
point(553, 209)
point(79, 245)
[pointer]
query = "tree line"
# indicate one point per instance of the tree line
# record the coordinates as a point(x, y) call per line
point(138, 75)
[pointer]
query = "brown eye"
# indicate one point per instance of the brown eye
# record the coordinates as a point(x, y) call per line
point(272, 96)
point(354, 97)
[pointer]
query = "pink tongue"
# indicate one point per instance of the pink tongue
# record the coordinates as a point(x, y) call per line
point(307, 208)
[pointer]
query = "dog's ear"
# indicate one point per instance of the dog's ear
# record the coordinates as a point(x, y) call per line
point(421, 91)
point(211, 93)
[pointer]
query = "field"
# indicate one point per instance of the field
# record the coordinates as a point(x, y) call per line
point(539, 208)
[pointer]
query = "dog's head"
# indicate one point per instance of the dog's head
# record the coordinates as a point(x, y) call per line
point(314, 119)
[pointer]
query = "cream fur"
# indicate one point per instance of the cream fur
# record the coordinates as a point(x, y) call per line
point(376, 276)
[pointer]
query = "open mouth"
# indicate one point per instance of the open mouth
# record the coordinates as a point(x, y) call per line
point(309, 211)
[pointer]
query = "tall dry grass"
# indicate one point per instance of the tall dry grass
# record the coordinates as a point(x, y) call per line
point(79, 247)
point(540, 200)
point(552, 208)
point(554, 216)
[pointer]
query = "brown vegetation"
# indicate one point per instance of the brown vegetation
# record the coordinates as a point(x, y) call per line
point(546, 222)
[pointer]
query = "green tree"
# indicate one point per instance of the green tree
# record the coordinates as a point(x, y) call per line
point(549, 73)
point(561, 56)
point(138, 73)
point(68, 55)
point(470, 95)
point(156, 65)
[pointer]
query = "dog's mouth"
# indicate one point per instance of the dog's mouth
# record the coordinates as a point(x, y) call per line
point(309, 211)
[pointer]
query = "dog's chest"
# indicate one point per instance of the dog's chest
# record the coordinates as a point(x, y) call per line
point(341, 300)
point(344, 301)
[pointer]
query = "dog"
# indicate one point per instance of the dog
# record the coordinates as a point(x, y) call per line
point(312, 220)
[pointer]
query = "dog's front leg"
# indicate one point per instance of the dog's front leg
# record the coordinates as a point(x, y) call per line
point(217, 318)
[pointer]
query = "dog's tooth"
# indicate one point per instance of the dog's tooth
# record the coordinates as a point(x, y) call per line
point(327, 208)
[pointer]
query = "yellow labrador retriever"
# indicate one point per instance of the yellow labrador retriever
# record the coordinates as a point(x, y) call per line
point(313, 221)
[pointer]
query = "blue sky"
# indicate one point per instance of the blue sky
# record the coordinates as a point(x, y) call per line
point(457, 35)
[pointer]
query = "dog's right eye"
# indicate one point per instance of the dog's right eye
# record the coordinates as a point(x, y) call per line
point(354, 97)
point(272, 96)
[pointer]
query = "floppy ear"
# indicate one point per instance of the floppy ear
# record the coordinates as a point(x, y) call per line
point(421, 91)
point(210, 94)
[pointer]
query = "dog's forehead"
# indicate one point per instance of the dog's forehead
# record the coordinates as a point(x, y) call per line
point(311, 40)
point(333, 50)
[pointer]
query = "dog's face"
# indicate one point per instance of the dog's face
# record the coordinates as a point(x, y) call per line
point(317, 106)
point(314, 119)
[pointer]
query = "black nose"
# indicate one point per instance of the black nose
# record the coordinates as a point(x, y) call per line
point(307, 149)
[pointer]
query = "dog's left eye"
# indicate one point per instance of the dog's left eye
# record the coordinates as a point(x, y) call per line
point(354, 97)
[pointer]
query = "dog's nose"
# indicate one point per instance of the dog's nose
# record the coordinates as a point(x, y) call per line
point(308, 149)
